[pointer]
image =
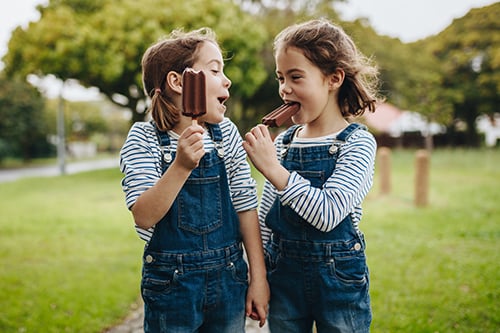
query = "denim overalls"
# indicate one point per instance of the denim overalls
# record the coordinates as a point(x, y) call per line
point(194, 276)
point(315, 276)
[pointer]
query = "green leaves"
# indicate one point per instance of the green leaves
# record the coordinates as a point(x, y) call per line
point(101, 44)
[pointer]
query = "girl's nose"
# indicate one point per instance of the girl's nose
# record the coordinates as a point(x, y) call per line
point(284, 89)
point(227, 82)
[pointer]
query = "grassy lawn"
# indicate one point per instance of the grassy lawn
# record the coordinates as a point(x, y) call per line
point(436, 269)
point(70, 259)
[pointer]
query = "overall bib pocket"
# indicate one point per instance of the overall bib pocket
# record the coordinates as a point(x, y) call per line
point(200, 210)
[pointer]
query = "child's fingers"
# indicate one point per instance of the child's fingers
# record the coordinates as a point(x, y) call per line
point(259, 314)
point(262, 314)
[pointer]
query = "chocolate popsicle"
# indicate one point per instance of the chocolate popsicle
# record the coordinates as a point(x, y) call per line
point(194, 99)
point(280, 115)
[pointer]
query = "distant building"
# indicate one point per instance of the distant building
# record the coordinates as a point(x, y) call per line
point(395, 127)
point(380, 121)
point(388, 119)
point(490, 127)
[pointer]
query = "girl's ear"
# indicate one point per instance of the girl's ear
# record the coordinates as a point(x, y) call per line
point(174, 81)
point(336, 79)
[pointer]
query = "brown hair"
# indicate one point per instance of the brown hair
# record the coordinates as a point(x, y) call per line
point(175, 53)
point(328, 47)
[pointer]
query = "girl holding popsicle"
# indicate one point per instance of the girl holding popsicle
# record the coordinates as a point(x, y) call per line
point(317, 174)
point(189, 188)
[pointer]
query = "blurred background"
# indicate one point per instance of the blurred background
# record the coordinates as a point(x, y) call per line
point(70, 88)
point(438, 63)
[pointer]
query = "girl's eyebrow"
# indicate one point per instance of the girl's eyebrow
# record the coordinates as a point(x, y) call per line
point(291, 70)
point(216, 61)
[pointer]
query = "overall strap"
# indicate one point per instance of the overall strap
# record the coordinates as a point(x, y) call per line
point(343, 136)
point(287, 139)
point(163, 137)
point(288, 136)
point(164, 141)
point(216, 135)
point(215, 132)
point(349, 130)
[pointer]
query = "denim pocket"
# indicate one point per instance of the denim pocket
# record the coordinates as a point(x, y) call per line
point(239, 270)
point(349, 270)
point(271, 258)
point(200, 205)
point(317, 178)
point(157, 281)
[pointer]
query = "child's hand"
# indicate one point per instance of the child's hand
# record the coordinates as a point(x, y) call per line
point(257, 304)
point(261, 151)
point(260, 147)
point(190, 148)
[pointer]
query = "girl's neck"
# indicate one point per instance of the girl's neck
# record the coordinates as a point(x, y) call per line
point(319, 128)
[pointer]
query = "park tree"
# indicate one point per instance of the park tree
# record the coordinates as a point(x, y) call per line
point(100, 122)
point(410, 77)
point(22, 125)
point(468, 52)
point(100, 43)
point(82, 119)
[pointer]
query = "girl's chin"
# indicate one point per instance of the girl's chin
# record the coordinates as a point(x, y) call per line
point(213, 119)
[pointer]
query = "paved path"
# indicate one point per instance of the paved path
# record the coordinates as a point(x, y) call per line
point(133, 324)
point(9, 175)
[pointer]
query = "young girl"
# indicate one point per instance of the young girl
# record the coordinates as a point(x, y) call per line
point(193, 200)
point(317, 175)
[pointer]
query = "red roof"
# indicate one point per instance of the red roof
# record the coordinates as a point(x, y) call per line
point(381, 119)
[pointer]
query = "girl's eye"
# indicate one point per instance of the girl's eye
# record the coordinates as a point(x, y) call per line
point(215, 71)
point(296, 77)
point(280, 78)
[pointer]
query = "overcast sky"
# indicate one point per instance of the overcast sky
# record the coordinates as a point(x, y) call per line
point(408, 20)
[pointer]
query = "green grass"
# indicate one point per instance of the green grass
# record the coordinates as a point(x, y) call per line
point(436, 269)
point(70, 259)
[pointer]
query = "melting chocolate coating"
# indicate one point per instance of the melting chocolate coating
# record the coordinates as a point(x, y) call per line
point(194, 96)
point(280, 115)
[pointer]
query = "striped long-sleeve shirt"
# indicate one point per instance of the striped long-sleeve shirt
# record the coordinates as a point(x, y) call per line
point(343, 192)
point(140, 162)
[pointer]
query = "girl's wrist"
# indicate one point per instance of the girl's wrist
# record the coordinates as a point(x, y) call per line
point(278, 176)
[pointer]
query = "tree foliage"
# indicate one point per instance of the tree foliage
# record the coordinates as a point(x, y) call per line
point(453, 75)
point(468, 52)
point(100, 43)
point(22, 126)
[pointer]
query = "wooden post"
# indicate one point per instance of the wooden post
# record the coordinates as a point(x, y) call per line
point(61, 136)
point(421, 178)
point(384, 163)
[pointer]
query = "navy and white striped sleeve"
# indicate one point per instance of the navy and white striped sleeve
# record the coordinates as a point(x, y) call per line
point(269, 194)
point(324, 208)
point(243, 188)
point(139, 161)
point(267, 200)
